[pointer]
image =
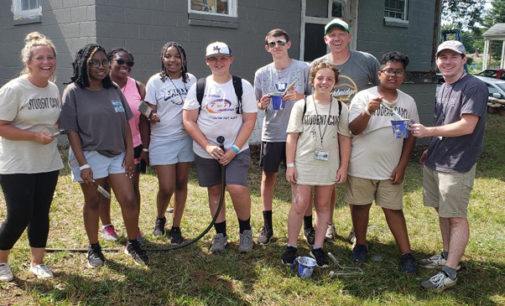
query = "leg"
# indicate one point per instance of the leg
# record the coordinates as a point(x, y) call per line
point(181, 191)
point(459, 233)
point(267, 189)
point(123, 190)
point(322, 202)
point(90, 210)
point(301, 198)
point(214, 193)
point(445, 230)
point(166, 181)
point(360, 215)
point(104, 205)
point(398, 227)
point(241, 201)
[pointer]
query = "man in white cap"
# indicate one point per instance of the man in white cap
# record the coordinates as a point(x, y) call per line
point(358, 71)
point(450, 160)
point(222, 105)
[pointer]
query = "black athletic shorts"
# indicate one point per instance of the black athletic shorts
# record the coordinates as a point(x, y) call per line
point(272, 154)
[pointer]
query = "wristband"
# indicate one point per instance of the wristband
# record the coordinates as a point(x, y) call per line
point(235, 149)
point(367, 111)
point(290, 165)
point(145, 149)
point(85, 166)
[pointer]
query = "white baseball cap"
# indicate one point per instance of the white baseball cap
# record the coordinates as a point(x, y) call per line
point(337, 22)
point(452, 45)
point(217, 48)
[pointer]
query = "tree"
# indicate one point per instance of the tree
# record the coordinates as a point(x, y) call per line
point(495, 15)
point(468, 13)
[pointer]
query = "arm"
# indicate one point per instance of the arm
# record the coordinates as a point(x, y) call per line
point(13, 133)
point(128, 163)
point(145, 136)
point(344, 143)
point(464, 126)
point(76, 145)
point(359, 124)
point(189, 118)
point(291, 141)
point(399, 171)
point(263, 102)
point(248, 122)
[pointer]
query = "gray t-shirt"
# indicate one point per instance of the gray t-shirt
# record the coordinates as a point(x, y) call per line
point(357, 73)
point(99, 117)
point(458, 154)
point(267, 79)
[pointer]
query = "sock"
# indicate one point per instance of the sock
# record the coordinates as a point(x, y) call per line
point(220, 228)
point(307, 222)
point(244, 225)
point(445, 254)
point(267, 219)
point(450, 272)
point(317, 247)
point(291, 245)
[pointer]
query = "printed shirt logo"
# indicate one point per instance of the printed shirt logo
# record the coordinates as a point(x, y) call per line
point(219, 106)
point(118, 106)
point(281, 86)
point(42, 103)
point(345, 89)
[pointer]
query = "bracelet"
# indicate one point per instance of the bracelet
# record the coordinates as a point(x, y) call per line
point(145, 149)
point(235, 149)
point(290, 165)
point(85, 166)
point(367, 111)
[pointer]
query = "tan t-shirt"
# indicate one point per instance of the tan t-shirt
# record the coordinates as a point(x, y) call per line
point(312, 171)
point(31, 108)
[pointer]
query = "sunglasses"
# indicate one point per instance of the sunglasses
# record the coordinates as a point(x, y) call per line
point(122, 62)
point(280, 42)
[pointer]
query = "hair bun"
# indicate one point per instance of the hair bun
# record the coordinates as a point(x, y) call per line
point(34, 36)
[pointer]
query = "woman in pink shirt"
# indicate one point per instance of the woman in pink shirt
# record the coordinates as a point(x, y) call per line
point(121, 64)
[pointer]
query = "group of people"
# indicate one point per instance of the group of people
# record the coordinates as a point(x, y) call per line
point(323, 121)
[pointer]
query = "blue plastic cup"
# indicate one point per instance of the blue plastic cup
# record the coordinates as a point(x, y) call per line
point(277, 102)
point(305, 266)
point(400, 128)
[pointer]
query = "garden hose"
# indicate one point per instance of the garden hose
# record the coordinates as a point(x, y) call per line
point(220, 140)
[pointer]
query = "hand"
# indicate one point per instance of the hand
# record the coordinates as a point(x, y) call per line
point(419, 130)
point(341, 175)
point(129, 164)
point(154, 117)
point(264, 102)
point(145, 157)
point(374, 104)
point(397, 175)
point(291, 175)
point(43, 138)
point(422, 159)
point(227, 157)
point(87, 176)
point(214, 151)
point(291, 95)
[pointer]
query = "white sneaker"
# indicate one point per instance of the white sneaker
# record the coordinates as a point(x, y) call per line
point(41, 271)
point(331, 233)
point(439, 282)
point(5, 272)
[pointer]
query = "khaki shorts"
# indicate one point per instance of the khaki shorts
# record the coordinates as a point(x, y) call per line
point(361, 191)
point(449, 192)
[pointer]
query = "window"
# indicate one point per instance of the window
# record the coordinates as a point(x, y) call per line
point(28, 10)
point(213, 7)
point(395, 9)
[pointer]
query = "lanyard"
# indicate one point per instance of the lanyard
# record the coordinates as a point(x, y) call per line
point(321, 134)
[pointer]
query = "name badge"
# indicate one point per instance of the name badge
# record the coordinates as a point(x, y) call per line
point(118, 106)
point(320, 155)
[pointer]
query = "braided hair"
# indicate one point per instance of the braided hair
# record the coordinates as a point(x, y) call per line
point(182, 53)
point(80, 66)
point(110, 55)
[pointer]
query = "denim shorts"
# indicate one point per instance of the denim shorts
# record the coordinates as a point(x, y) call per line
point(170, 152)
point(101, 165)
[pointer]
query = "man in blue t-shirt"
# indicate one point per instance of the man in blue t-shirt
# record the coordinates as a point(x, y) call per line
point(449, 162)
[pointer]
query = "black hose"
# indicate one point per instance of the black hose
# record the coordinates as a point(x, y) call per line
point(220, 140)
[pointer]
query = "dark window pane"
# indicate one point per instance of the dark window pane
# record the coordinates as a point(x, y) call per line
point(336, 9)
point(314, 41)
point(317, 8)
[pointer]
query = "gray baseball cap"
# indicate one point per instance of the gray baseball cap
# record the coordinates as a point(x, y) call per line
point(453, 45)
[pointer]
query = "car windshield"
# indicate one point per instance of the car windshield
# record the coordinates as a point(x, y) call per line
point(501, 86)
point(488, 73)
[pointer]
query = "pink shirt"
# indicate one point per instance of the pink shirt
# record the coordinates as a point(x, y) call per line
point(132, 95)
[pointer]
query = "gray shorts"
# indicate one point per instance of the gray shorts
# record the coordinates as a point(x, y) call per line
point(209, 170)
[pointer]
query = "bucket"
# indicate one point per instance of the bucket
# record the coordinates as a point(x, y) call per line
point(277, 101)
point(400, 128)
point(305, 266)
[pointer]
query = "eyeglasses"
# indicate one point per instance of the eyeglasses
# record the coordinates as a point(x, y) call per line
point(392, 72)
point(122, 62)
point(96, 64)
point(280, 42)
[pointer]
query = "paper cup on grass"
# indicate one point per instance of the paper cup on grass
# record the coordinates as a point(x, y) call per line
point(277, 101)
point(305, 266)
point(400, 128)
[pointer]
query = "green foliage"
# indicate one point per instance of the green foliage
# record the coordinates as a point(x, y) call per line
point(468, 13)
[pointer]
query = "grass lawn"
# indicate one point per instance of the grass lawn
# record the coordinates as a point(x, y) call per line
point(193, 276)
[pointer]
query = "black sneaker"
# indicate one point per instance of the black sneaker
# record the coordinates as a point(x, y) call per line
point(137, 253)
point(359, 253)
point(288, 257)
point(310, 235)
point(408, 263)
point(265, 236)
point(320, 256)
point(159, 227)
point(176, 235)
point(95, 256)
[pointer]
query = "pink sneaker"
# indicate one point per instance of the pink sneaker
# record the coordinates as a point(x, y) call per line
point(109, 233)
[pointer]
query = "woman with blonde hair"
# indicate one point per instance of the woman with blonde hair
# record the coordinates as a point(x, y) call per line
point(29, 158)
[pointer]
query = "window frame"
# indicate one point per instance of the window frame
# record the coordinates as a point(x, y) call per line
point(232, 10)
point(395, 21)
point(21, 16)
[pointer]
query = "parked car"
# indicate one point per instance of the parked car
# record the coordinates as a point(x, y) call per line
point(496, 87)
point(493, 73)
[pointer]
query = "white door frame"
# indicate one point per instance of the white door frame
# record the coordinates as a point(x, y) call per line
point(349, 14)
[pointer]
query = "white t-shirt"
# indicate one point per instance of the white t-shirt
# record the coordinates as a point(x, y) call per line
point(376, 151)
point(218, 114)
point(168, 97)
point(313, 171)
point(34, 109)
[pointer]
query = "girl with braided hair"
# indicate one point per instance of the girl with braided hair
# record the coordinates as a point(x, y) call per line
point(95, 113)
point(170, 147)
point(29, 158)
